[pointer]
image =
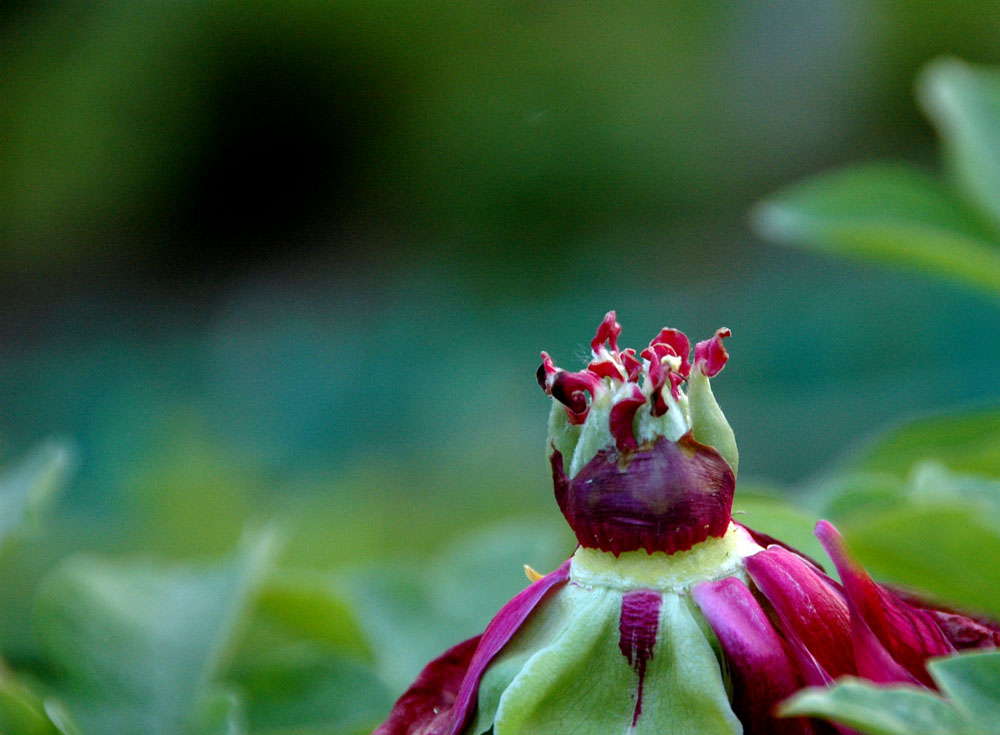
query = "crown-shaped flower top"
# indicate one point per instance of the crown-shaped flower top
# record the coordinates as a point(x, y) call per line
point(642, 456)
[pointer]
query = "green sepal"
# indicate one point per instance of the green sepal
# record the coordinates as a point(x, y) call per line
point(708, 423)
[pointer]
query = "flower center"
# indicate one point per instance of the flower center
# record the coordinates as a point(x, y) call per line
point(712, 559)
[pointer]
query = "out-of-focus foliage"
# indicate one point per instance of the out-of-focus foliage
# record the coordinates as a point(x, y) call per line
point(297, 262)
point(27, 488)
point(949, 227)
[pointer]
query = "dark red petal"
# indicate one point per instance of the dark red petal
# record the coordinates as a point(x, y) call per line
point(710, 356)
point(607, 331)
point(620, 419)
point(812, 611)
point(571, 390)
point(666, 496)
point(633, 366)
point(962, 630)
point(500, 630)
point(546, 373)
point(891, 639)
point(424, 707)
point(676, 379)
point(762, 671)
point(680, 345)
point(606, 369)
point(657, 378)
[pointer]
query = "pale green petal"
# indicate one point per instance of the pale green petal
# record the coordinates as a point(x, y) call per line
point(564, 673)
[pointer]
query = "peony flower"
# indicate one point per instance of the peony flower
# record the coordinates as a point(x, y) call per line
point(670, 618)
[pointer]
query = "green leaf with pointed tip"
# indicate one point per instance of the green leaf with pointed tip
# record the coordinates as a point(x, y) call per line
point(972, 682)
point(947, 550)
point(136, 644)
point(308, 604)
point(890, 213)
point(967, 441)
point(881, 710)
point(30, 486)
point(963, 102)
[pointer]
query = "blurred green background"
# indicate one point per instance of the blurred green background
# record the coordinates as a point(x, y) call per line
point(297, 260)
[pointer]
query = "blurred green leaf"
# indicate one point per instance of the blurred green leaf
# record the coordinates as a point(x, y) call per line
point(304, 664)
point(307, 605)
point(21, 711)
point(972, 682)
point(219, 712)
point(891, 213)
point(881, 710)
point(931, 482)
point(137, 643)
point(969, 703)
point(968, 441)
point(947, 550)
point(963, 102)
point(301, 688)
point(846, 494)
point(29, 487)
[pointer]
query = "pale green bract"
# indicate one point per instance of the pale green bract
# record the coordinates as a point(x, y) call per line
point(564, 672)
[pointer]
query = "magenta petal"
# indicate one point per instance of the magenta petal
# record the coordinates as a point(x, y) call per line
point(607, 331)
point(620, 419)
point(711, 356)
point(679, 344)
point(891, 638)
point(500, 630)
point(812, 612)
point(762, 539)
point(761, 670)
point(426, 704)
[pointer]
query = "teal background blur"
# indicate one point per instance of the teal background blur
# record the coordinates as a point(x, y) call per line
point(298, 259)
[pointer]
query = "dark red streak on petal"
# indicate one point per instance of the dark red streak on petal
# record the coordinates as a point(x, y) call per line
point(637, 628)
